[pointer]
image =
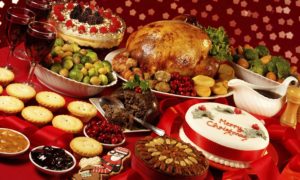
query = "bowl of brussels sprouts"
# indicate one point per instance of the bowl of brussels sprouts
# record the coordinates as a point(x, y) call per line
point(75, 72)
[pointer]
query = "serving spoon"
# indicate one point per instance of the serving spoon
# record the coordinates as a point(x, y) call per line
point(117, 103)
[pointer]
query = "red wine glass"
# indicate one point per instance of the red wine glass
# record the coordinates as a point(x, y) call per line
point(42, 8)
point(39, 39)
point(17, 20)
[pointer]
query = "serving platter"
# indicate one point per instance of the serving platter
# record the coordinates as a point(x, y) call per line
point(110, 56)
point(95, 102)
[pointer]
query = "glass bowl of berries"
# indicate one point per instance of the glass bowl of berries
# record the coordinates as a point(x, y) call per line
point(52, 160)
point(110, 135)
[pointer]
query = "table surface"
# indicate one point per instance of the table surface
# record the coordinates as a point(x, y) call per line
point(11, 167)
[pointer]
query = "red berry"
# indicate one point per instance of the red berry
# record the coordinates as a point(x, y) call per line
point(93, 30)
point(103, 30)
point(81, 4)
point(70, 6)
point(237, 111)
point(60, 17)
point(92, 6)
point(81, 29)
point(138, 90)
point(101, 11)
point(255, 126)
point(107, 14)
point(69, 23)
point(202, 108)
point(112, 28)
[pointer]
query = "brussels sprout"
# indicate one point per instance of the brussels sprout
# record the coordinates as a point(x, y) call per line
point(88, 65)
point(76, 75)
point(250, 54)
point(262, 50)
point(107, 64)
point(95, 80)
point(93, 56)
point(78, 66)
point(89, 50)
point(75, 47)
point(59, 42)
point(103, 70)
point(83, 52)
point(98, 65)
point(92, 72)
point(86, 79)
point(68, 64)
point(103, 79)
point(110, 77)
point(84, 71)
point(68, 57)
point(67, 47)
point(76, 58)
point(56, 67)
point(85, 59)
point(64, 72)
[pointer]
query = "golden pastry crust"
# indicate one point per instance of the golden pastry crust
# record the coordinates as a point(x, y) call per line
point(67, 123)
point(37, 115)
point(6, 76)
point(50, 100)
point(83, 110)
point(21, 91)
point(10, 105)
point(85, 146)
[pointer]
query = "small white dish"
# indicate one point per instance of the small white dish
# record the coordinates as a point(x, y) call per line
point(107, 146)
point(67, 86)
point(8, 154)
point(110, 56)
point(50, 171)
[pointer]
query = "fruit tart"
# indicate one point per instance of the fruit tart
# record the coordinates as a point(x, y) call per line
point(88, 25)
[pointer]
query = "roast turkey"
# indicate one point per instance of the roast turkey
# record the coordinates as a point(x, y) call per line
point(172, 46)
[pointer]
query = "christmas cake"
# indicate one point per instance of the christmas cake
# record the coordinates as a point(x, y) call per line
point(171, 157)
point(225, 134)
point(88, 25)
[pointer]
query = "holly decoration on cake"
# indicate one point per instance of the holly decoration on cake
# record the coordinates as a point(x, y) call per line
point(229, 110)
point(254, 132)
point(201, 111)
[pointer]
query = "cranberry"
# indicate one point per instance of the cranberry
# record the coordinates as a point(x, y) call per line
point(237, 111)
point(255, 126)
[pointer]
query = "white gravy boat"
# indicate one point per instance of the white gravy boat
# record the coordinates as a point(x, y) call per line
point(257, 99)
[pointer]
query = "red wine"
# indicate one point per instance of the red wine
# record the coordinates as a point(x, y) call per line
point(39, 41)
point(15, 32)
point(41, 8)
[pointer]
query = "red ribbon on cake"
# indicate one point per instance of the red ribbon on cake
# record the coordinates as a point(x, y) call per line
point(219, 150)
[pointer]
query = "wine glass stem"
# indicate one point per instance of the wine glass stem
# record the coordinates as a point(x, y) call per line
point(31, 70)
point(9, 56)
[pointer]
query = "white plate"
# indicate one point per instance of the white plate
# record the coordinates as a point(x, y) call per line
point(109, 57)
point(95, 102)
point(67, 86)
point(252, 77)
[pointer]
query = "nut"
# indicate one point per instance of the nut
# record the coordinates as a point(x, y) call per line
point(184, 146)
point(182, 163)
point(162, 157)
point(169, 160)
point(168, 141)
point(173, 141)
point(155, 153)
point(188, 161)
point(178, 144)
point(152, 149)
point(188, 150)
point(159, 141)
point(193, 159)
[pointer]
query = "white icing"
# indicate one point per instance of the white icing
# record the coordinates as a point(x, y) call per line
point(244, 120)
point(217, 159)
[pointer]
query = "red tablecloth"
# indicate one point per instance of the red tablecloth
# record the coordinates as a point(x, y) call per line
point(21, 168)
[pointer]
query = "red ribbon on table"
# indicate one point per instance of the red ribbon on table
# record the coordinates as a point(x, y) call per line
point(13, 122)
point(50, 135)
